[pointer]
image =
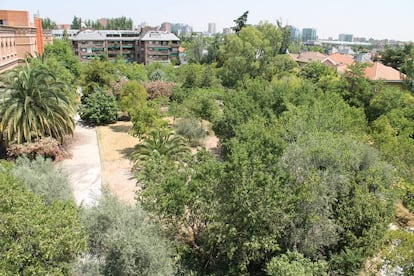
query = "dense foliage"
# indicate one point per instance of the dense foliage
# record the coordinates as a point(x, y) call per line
point(37, 236)
point(305, 182)
point(307, 171)
point(123, 242)
point(99, 108)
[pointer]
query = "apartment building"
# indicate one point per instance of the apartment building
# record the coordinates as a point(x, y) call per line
point(89, 44)
point(158, 46)
point(153, 46)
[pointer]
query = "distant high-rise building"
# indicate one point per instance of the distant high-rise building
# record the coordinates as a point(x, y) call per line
point(346, 37)
point(211, 28)
point(181, 29)
point(309, 34)
point(226, 31)
point(166, 27)
point(295, 33)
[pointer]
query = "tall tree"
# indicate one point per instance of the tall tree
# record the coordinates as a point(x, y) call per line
point(76, 23)
point(240, 22)
point(37, 106)
point(48, 24)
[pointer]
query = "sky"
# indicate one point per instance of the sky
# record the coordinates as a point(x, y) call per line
point(379, 19)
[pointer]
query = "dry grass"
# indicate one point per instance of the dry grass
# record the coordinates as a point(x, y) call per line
point(115, 145)
point(404, 217)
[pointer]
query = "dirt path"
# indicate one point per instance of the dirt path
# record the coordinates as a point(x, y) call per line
point(84, 167)
point(115, 145)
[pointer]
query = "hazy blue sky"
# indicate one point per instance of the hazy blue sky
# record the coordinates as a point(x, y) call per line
point(367, 18)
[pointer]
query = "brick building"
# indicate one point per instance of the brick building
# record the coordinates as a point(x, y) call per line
point(18, 38)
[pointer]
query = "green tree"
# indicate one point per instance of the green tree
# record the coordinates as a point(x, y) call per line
point(285, 37)
point(344, 201)
point(145, 118)
point(326, 113)
point(123, 242)
point(240, 22)
point(314, 71)
point(249, 54)
point(95, 74)
point(48, 24)
point(76, 23)
point(182, 199)
point(36, 237)
point(99, 108)
point(359, 91)
point(133, 95)
point(397, 56)
point(62, 51)
point(161, 142)
point(37, 106)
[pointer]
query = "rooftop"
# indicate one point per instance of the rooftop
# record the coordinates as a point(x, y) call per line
point(379, 71)
point(306, 57)
point(159, 35)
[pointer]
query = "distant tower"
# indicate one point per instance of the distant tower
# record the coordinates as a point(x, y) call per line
point(346, 37)
point(211, 28)
point(309, 34)
point(226, 31)
point(166, 27)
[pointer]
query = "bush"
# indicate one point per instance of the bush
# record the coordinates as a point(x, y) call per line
point(47, 147)
point(192, 130)
point(41, 177)
point(159, 88)
point(99, 108)
point(36, 238)
point(122, 242)
point(295, 264)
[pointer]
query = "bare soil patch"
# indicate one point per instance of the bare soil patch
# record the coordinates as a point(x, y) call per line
point(115, 145)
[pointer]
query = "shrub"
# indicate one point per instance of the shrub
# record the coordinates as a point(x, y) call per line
point(41, 177)
point(36, 238)
point(99, 108)
point(192, 130)
point(122, 242)
point(295, 264)
point(159, 88)
point(47, 147)
point(158, 75)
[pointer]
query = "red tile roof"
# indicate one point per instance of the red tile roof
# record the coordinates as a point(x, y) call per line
point(379, 71)
point(342, 59)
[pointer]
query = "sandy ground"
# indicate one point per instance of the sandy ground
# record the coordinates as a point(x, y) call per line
point(115, 145)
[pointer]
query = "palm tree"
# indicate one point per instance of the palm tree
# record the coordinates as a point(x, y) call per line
point(160, 142)
point(36, 106)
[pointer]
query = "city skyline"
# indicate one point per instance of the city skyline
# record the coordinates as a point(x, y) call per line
point(369, 19)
